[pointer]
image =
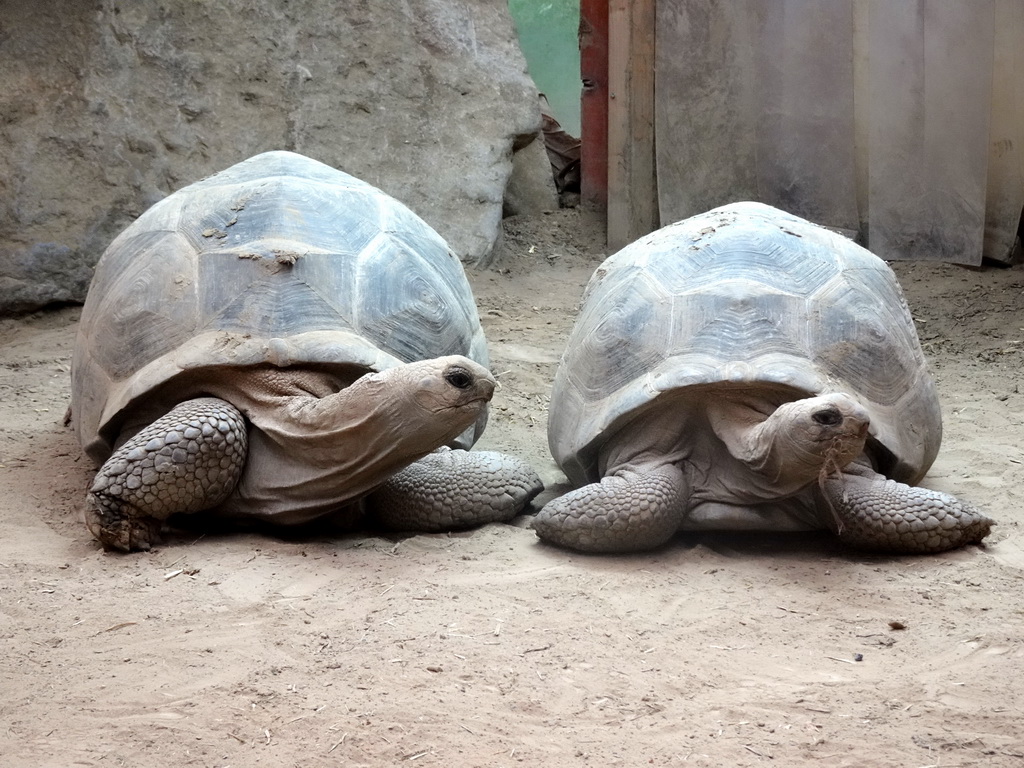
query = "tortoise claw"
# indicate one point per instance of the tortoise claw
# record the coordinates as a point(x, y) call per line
point(118, 529)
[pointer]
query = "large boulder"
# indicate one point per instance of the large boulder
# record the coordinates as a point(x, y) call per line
point(107, 107)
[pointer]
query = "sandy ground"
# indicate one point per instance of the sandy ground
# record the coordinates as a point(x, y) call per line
point(487, 648)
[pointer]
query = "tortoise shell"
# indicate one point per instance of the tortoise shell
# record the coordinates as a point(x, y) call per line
point(277, 260)
point(744, 295)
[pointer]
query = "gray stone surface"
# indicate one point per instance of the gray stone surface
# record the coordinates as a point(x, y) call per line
point(531, 187)
point(107, 107)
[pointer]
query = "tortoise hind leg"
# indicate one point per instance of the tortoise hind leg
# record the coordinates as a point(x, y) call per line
point(187, 460)
point(627, 511)
point(874, 513)
point(450, 489)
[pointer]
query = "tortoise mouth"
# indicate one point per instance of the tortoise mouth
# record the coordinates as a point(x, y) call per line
point(482, 399)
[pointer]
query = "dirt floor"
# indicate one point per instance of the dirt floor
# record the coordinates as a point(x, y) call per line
point(487, 648)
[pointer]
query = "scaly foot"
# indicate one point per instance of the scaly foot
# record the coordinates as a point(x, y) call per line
point(876, 513)
point(450, 489)
point(185, 461)
point(628, 511)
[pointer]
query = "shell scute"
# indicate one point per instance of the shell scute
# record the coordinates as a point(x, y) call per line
point(622, 342)
point(406, 307)
point(160, 263)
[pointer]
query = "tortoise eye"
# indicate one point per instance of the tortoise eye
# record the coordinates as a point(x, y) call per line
point(828, 417)
point(459, 378)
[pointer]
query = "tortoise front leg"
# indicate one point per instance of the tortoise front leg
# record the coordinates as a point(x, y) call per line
point(874, 513)
point(450, 489)
point(628, 511)
point(187, 460)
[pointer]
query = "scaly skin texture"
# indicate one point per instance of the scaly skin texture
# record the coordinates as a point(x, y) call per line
point(878, 514)
point(451, 489)
point(626, 512)
point(185, 461)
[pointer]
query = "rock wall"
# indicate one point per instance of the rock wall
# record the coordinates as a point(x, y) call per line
point(106, 107)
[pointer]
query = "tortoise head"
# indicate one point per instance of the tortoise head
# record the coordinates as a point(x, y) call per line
point(454, 386)
point(432, 401)
point(804, 438)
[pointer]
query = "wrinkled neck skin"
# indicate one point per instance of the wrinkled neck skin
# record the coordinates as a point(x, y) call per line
point(744, 449)
point(313, 448)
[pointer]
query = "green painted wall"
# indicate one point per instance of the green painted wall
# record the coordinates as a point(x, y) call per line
point(548, 37)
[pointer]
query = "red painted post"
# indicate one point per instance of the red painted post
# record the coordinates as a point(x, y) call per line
point(593, 38)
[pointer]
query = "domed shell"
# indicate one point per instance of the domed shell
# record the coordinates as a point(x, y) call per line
point(749, 295)
point(279, 259)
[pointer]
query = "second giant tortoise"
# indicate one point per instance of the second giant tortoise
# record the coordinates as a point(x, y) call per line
point(284, 342)
point(746, 369)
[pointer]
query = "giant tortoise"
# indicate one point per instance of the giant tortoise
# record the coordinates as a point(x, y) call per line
point(284, 342)
point(746, 369)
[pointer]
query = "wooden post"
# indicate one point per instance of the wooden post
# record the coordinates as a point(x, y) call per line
point(593, 40)
point(632, 181)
